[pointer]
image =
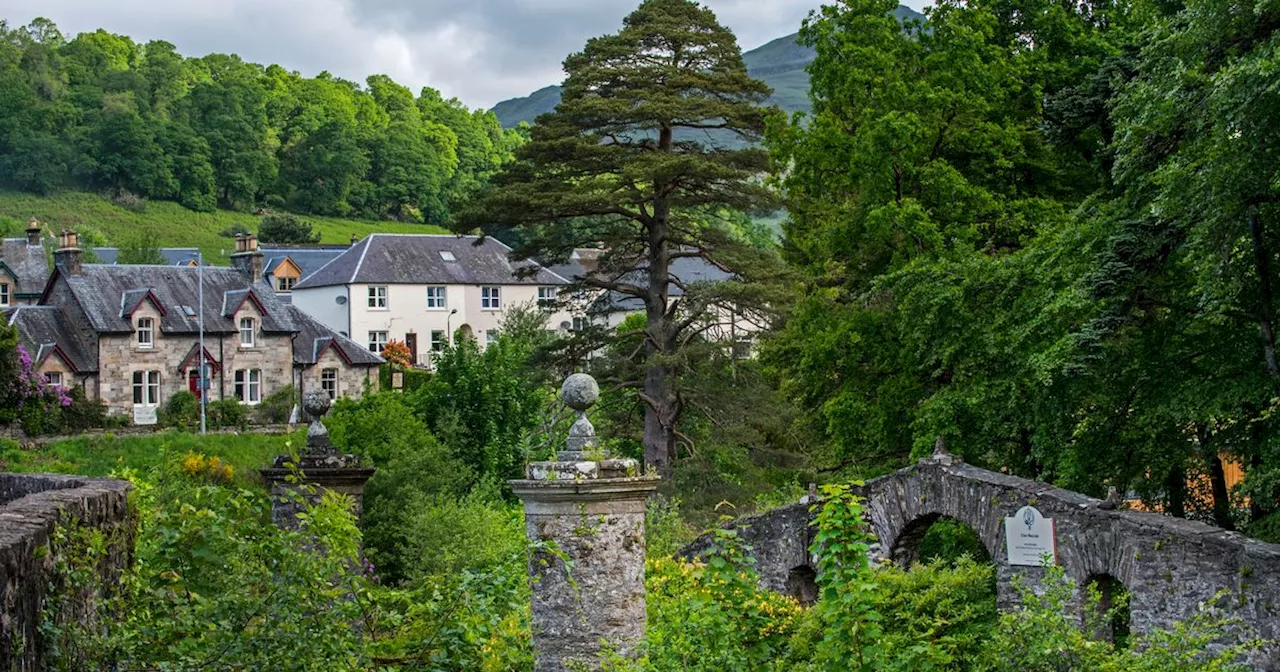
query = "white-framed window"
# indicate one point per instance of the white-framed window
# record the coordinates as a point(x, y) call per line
point(377, 341)
point(285, 284)
point(491, 298)
point(6, 295)
point(248, 385)
point(580, 323)
point(329, 382)
point(53, 378)
point(490, 336)
point(546, 297)
point(248, 328)
point(436, 298)
point(378, 297)
point(146, 388)
point(437, 341)
point(146, 332)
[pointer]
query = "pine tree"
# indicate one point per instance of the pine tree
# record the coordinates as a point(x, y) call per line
point(648, 152)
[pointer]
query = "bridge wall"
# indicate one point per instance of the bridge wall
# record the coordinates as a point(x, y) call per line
point(1170, 566)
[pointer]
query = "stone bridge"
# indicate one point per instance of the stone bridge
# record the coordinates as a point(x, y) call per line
point(1169, 566)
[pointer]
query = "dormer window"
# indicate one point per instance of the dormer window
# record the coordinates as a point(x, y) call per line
point(248, 326)
point(146, 332)
point(285, 284)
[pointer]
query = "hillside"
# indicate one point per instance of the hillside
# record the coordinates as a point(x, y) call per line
point(780, 64)
point(164, 223)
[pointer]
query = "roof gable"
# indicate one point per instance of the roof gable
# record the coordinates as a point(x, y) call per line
point(233, 301)
point(132, 299)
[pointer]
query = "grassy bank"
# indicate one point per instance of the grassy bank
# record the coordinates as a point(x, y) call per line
point(169, 224)
point(101, 455)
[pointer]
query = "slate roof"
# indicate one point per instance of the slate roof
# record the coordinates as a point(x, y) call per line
point(309, 259)
point(174, 256)
point(415, 259)
point(313, 338)
point(687, 269)
point(102, 292)
point(27, 263)
point(42, 330)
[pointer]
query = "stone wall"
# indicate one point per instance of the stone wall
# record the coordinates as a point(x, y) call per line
point(1169, 566)
point(31, 508)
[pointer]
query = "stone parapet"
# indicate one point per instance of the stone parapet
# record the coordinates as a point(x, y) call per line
point(32, 506)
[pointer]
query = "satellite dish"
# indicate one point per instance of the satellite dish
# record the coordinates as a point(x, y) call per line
point(340, 300)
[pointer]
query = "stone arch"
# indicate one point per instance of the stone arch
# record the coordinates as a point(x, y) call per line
point(465, 331)
point(906, 548)
point(1114, 596)
point(802, 584)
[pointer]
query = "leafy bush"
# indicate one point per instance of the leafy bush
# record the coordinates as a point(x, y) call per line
point(276, 407)
point(412, 465)
point(126, 199)
point(234, 230)
point(182, 411)
point(284, 228)
point(445, 534)
point(215, 585)
point(226, 414)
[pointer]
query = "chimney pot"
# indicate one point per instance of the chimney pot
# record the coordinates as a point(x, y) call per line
point(33, 231)
point(67, 257)
point(354, 239)
point(248, 259)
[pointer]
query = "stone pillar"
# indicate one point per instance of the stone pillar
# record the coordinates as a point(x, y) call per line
point(584, 515)
point(318, 465)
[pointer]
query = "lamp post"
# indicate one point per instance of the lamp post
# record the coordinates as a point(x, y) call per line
point(448, 328)
point(202, 380)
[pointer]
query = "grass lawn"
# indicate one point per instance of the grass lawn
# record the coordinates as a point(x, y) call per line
point(101, 455)
point(168, 224)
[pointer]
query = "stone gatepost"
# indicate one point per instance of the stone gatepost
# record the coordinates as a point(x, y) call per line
point(318, 465)
point(584, 515)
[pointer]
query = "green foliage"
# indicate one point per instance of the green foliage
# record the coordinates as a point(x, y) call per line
point(446, 534)
point(140, 251)
point(413, 468)
point(181, 411)
point(226, 413)
point(286, 229)
point(216, 584)
point(482, 404)
point(713, 615)
point(277, 407)
point(948, 540)
point(102, 112)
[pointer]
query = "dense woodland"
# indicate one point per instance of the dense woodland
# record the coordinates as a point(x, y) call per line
point(103, 113)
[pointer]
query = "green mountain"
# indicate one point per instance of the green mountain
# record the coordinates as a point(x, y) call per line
point(780, 64)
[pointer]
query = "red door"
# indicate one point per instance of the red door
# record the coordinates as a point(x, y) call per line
point(193, 383)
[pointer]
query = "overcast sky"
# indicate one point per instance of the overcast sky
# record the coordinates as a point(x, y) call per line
point(481, 51)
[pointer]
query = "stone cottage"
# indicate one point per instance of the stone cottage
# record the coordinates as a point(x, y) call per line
point(130, 335)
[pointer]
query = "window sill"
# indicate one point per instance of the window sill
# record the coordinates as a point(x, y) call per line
point(378, 310)
point(437, 310)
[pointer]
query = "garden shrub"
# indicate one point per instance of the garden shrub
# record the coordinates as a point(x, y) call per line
point(444, 534)
point(182, 411)
point(226, 414)
point(277, 407)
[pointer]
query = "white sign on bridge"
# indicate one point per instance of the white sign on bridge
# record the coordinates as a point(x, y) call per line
point(1029, 538)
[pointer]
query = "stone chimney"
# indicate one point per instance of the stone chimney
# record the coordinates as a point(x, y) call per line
point(67, 256)
point(248, 258)
point(33, 231)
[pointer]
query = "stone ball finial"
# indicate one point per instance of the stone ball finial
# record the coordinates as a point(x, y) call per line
point(579, 392)
point(316, 403)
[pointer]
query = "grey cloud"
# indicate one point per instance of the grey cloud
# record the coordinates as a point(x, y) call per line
point(480, 51)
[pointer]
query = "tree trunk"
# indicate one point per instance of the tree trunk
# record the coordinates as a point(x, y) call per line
point(1262, 266)
point(661, 411)
point(1221, 498)
point(1175, 485)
